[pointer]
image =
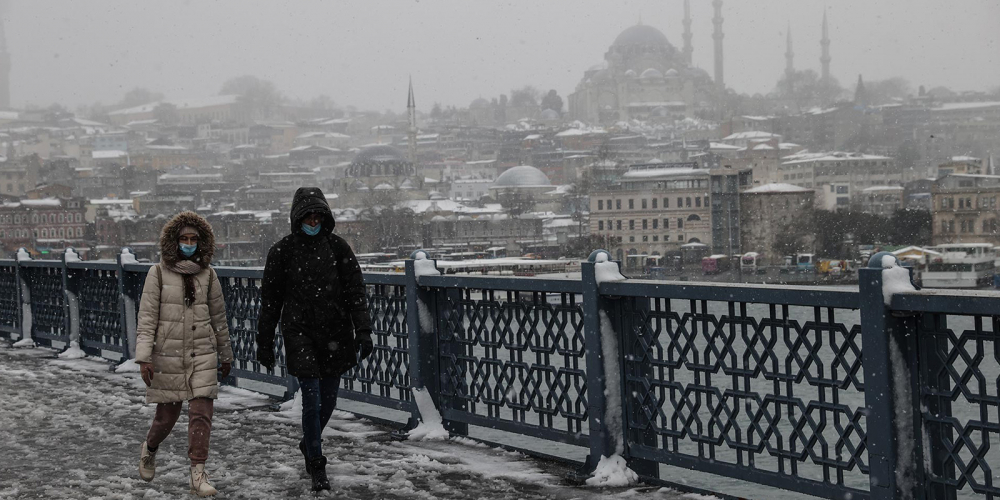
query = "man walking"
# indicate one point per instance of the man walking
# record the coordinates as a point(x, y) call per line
point(314, 285)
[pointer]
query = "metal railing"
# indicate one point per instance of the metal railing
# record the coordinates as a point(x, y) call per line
point(812, 390)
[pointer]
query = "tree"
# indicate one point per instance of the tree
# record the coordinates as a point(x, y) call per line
point(322, 102)
point(806, 89)
point(908, 154)
point(910, 227)
point(885, 91)
point(525, 96)
point(389, 224)
point(260, 96)
point(166, 114)
point(552, 101)
point(139, 96)
point(515, 202)
point(436, 112)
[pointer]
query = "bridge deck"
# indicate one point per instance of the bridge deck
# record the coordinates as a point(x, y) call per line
point(71, 429)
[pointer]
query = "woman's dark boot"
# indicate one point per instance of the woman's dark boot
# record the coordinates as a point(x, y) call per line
point(317, 468)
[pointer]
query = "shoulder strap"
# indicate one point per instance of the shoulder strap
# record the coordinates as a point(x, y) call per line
point(159, 278)
point(211, 279)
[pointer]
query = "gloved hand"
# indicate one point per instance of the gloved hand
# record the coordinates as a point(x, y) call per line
point(365, 345)
point(146, 371)
point(265, 356)
point(225, 368)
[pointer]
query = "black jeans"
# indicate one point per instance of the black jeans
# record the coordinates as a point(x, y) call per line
point(319, 399)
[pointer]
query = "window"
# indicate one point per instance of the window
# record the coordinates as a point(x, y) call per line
point(600, 225)
point(631, 239)
point(619, 224)
point(680, 223)
point(687, 201)
point(631, 224)
point(841, 189)
point(706, 201)
point(608, 203)
point(644, 203)
point(697, 202)
point(656, 237)
point(680, 202)
point(644, 224)
point(645, 238)
point(79, 232)
point(666, 237)
point(618, 204)
point(666, 202)
point(666, 223)
point(611, 225)
point(693, 217)
point(680, 237)
point(600, 204)
point(45, 233)
point(631, 204)
point(654, 202)
point(656, 222)
point(61, 219)
point(961, 204)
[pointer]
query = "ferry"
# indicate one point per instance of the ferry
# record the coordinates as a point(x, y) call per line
point(960, 265)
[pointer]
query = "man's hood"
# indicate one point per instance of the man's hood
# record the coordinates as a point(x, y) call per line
point(306, 201)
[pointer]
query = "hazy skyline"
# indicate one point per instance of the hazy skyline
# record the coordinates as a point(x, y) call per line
point(361, 53)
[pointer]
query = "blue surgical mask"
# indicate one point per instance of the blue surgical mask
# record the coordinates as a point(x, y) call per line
point(311, 230)
point(188, 250)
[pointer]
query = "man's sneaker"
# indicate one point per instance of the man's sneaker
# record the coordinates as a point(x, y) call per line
point(147, 463)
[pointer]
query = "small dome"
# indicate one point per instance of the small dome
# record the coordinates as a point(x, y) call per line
point(384, 187)
point(640, 34)
point(599, 66)
point(651, 73)
point(522, 176)
point(550, 114)
point(671, 73)
point(479, 104)
point(631, 73)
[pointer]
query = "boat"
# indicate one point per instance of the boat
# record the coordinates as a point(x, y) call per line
point(960, 265)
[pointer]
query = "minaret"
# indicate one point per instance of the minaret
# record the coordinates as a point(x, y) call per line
point(789, 55)
point(825, 44)
point(411, 111)
point(717, 36)
point(4, 70)
point(687, 32)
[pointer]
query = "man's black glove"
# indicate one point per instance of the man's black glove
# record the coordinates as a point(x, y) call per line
point(365, 344)
point(265, 356)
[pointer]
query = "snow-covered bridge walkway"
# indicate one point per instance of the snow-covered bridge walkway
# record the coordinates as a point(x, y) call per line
point(71, 429)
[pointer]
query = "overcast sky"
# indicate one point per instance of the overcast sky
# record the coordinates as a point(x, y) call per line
point(361, 52)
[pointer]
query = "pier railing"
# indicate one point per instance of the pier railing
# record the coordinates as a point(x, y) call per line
point(812, 390)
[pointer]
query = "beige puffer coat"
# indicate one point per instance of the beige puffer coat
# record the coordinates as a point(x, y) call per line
point(184, 343)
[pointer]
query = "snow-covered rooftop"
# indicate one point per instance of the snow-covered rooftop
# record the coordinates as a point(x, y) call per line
point(663, 172)
point(777, 188)
point(882, 188)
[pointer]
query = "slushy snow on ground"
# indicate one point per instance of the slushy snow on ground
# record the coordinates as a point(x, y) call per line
point(895, 279)
point(431, 427)
point(72, 352)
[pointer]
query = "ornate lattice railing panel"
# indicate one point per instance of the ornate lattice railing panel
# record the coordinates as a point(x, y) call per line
point(516, 360)
point(769, 393)
point(242, 294)
point(48, 302)
point(960, 403)
point(384, 378)
point(100, 310)
point(8, 297)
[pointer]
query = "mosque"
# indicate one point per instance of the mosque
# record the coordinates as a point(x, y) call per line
point(645, 77)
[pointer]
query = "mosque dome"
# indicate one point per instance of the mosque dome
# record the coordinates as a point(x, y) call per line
point(379, 160)
point(651, 73)
point(550, 114)
point(640, 34)
point(522, 176)
point(631, 73)
point(671, 73)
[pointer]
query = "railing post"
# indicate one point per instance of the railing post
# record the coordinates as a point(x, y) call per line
point(938, 404)
point(602, 443)
point(24, 296)
point(126, 310)
point(71, 296)
point(890, 368)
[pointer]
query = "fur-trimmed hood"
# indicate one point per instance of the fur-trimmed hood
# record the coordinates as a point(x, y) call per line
point(170, 252)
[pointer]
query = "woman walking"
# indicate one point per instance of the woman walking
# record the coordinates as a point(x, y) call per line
point(314, 286)
point(182, 337)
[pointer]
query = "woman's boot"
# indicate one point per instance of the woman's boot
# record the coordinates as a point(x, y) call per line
point(199, 482)
point(317, 468)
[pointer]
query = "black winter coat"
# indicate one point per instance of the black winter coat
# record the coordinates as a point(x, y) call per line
point(315, 285)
